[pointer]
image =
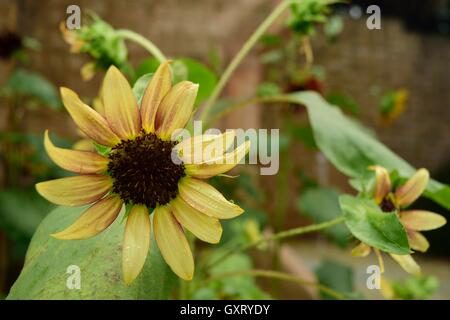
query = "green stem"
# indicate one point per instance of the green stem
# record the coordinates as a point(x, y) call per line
point(143, 42)
point(276, 275)
point(281, 235)
point(256, 100)
point(248, 45)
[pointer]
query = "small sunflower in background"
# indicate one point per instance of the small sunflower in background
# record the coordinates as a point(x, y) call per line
point(392, 106)
point(138, 169)
point(396, 199)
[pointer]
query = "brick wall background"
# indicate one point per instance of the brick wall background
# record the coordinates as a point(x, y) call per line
point(361, 60)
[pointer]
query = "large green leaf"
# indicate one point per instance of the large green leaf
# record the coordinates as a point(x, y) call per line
point(321, 205)
point(374, 227)
point(351, 148)
point(44, 275)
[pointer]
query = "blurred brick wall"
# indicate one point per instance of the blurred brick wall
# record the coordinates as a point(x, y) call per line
point(360, 61)
point(363, 60)
point(179, 27)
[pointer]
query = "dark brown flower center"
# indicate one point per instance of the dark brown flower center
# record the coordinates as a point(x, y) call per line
point(387, 205)
point(143, 171)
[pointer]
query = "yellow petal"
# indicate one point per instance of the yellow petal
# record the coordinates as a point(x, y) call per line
point(84, 145)
point(76, 161)
point(203, 148)
point(156, 90)
point(413, 188)
point(98, 103)
point(93, 221)
point(202, 226)
point(407, 263)
point(205, 198)
point(176, 108)
point(417, 241)
point(136, 242)
point(88, 120)
point(361, 250)
point(221, 164)
point(88, 71)
point(383, 183)
point(75, 191)
point(421, 220)
point(173, 244)
point(98, 106)
point(386, 288)
point(190, 150)
point(120, 105)
point(380, 259)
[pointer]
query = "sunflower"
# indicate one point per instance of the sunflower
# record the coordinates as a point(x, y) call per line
point(139, 171)
point(396, 199)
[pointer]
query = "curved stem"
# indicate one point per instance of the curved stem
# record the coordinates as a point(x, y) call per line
point(276, 275)
point(279, 236)
point(248, 45)
point(143, 42)
point(219, 115)
point(273, 99)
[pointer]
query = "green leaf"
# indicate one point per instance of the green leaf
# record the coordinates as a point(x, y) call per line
point(351, 147)
point(343, 101)
point(199, 73)
point(99, 259)
point(304, 133)
point(338, 277)
point(103, 150)
point(366, 221)
point(33, 85)
point(103, 44)
point(185, 69)
point(267, 89)
point(320, 205)
point(140, 85)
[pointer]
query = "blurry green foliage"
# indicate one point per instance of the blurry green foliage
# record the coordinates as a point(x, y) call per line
point(415, 288)
point(240, 287)
point(320, 205)
point(184, 69)
point(267, 89)
point(338, 277)
point(333, 27)
point(31, 85)
point(304, 133)
point(100, 40)
point(387, 103)
point(20, 225)
point(344, 102)
point(215, 61)
point(305, 14)
point(140, 85)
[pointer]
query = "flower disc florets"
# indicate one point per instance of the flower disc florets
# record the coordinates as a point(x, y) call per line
point(143, 171)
